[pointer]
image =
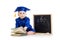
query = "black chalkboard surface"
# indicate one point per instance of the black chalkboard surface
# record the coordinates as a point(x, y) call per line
point(42, 23)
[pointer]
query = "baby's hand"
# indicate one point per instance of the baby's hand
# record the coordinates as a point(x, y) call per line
point(21, 27)
point(25, 28)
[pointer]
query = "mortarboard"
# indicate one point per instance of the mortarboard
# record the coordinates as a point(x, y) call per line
point(21, 8)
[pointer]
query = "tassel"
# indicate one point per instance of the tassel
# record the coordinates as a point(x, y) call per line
point(14, 14)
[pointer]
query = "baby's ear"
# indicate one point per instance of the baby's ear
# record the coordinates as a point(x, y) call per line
point(18, 14)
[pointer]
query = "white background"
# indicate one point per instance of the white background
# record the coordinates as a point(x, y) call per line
point(7, 21)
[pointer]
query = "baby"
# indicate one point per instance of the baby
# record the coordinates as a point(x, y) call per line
point(23, 22)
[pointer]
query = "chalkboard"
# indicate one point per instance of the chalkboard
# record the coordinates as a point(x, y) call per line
point(42, 23)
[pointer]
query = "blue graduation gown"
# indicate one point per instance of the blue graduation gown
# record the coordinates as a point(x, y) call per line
point(25, 22)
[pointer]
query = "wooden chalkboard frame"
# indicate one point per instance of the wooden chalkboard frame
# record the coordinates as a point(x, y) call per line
point(44, 14)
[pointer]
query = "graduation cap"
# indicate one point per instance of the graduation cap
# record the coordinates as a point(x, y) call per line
point(21, 8)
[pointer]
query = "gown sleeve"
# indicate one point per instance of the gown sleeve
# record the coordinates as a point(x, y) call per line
point(17, 23)
point(29, 27)
point(27, 24)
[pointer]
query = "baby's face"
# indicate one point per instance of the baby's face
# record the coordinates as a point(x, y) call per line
point(21, 14)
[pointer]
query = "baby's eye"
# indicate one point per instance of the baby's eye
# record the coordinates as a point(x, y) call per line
point(20, 13)
point(23, 13)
